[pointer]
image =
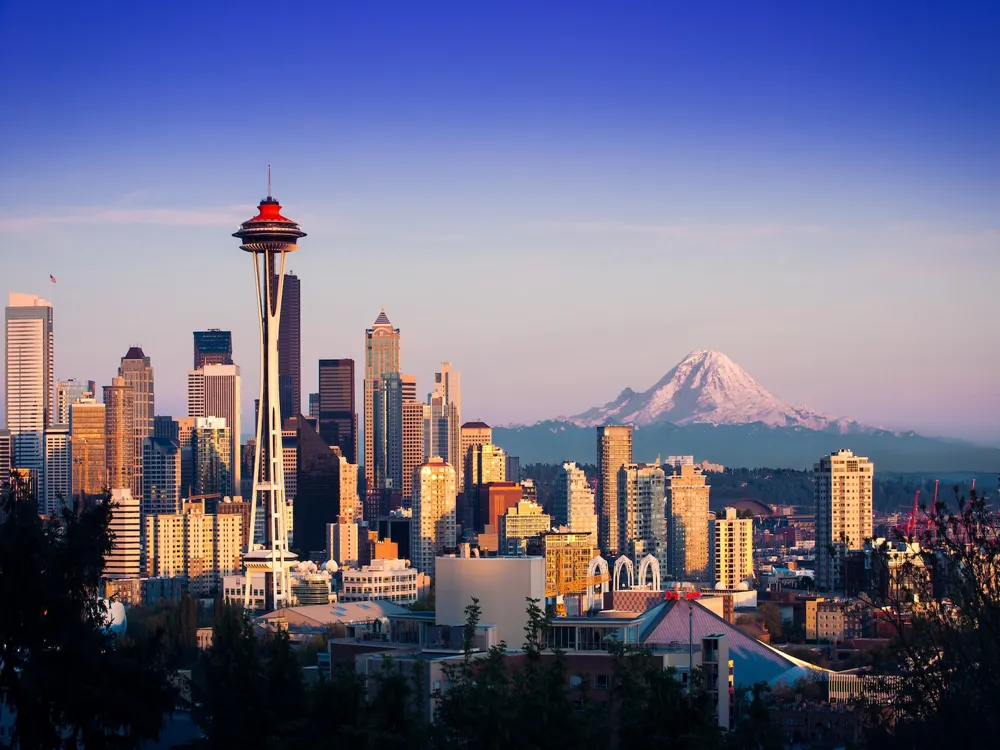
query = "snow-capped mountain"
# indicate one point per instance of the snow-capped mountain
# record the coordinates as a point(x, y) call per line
point(709, 388)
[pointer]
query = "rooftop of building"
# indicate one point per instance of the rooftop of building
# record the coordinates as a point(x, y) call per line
point(476, 426)
point(382, 319)
point(134, 352)
point(346, 613)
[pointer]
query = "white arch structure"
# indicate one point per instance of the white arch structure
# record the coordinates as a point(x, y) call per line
point(626, 563)
point(649, 561)
point(598, 566)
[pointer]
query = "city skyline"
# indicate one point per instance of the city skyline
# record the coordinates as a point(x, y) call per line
point(552, 178)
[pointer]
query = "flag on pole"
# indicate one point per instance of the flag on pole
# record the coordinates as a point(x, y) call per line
point(52, 278)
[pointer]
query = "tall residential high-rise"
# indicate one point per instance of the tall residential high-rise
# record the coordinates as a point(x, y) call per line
point(137, 371)
point(161, 475)
point(733, 555)
point(56, 476)
point(211, 455)
point(687, 524)
point(614, 450)
point(342, 541)
point(432, 530)
point(290, 348)
point(269, 237)
point(87, 450)
point(29, 354)
point(381, 358)
point(338, 416)
point(641, 520)
point(212, 347)
point(843, 491)
point(119, 434)
point(573, 501)
point(214, 391)
point(69, 392)
point(125, 558)
point(446, 411)
point(472, 433)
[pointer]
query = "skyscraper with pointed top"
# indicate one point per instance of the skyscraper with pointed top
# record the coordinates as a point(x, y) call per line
point(381, 360)
point(137, 371)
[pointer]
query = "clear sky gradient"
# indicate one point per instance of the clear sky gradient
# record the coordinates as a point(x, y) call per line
point(563, 199)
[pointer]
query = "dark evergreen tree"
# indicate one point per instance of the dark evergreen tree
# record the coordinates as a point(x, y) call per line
point(67, 678)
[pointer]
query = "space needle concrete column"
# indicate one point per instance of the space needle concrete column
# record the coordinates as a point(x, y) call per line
point(269, 237)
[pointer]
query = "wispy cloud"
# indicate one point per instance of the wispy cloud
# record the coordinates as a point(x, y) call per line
point(694, 231)
point(226, 216)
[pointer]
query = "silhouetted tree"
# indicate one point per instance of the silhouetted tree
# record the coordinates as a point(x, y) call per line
point(69, 681)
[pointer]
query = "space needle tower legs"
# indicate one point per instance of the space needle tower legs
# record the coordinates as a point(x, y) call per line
point(269, 237)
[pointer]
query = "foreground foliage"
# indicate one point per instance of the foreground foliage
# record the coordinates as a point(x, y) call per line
point(67, 679)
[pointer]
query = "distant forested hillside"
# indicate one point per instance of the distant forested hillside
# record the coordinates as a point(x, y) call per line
point(791, 487)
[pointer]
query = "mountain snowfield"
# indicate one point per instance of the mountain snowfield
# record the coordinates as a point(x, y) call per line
point(706, 387)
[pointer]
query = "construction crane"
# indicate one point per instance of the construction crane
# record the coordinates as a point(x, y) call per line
point(558, 590)
point(911, 527)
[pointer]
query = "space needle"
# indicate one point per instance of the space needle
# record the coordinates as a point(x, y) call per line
point(269, 237)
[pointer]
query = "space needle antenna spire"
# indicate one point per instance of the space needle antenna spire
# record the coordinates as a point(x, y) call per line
point(268, 237)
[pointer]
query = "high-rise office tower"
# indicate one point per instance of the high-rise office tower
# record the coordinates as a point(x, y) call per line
point(432, 531)
point(641, 520)
point(573, 501)
point(119, 434)
point(137, 371)
point(513, 468)
point(318, 498)
point(388, 436)
point(214, 391)
point(165, 427)
point(125, 558)
point(614, 450)
point(446, 403)
point(520, 523)
point(409, 387)
point(211, 454)
point(472, 433)
point(843, 491)
point(161, 475)
point(489, 464)
point(314, 406)
point(290, 348)
point(687, 524)
point(185, 427)
point(29, 354)
point(413, 443)
point(87, 450)
point(733, 554)
point(342, 541)
point(338, 416)
point(212, 347)
point(381, 358)
point(69, 392)
point(56, 476)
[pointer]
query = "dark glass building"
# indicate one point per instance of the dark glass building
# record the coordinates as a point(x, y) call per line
point(338, 418)
point(317, 499)
point(290, 348)
point(213, 347)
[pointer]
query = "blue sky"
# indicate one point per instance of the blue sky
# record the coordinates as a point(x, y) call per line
point(563, 199)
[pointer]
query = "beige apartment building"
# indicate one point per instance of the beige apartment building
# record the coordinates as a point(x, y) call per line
point(119, 433)
point(520, 523)
point(200, 547)
point(687, 524)
point(733, 549)
point(843, 491)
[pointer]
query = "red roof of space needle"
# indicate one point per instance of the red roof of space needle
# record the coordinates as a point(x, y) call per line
point(269, 210)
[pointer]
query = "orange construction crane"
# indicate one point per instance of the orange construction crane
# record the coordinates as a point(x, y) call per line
point(559, 589)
